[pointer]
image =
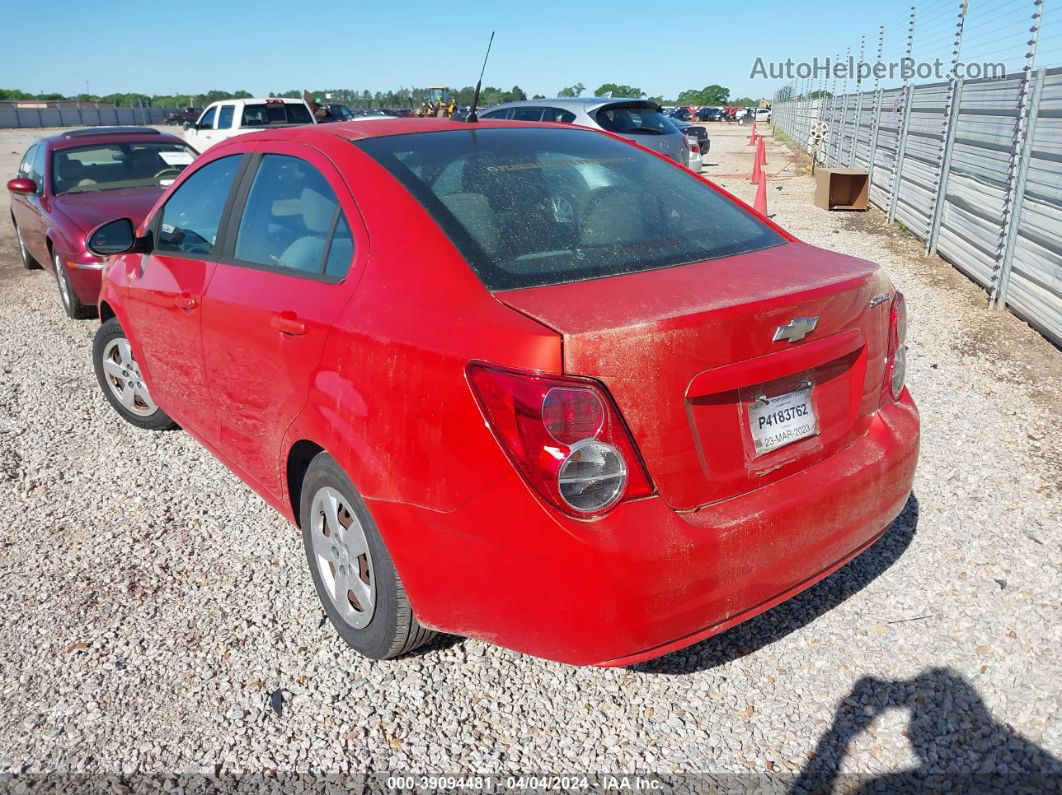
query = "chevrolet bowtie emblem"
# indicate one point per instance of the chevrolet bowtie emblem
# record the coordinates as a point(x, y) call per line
point(796, 329)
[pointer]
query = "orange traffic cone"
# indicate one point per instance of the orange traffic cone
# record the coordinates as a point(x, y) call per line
point(760, 203)
point(761, 152)
point(757, 173)
point(752, 138)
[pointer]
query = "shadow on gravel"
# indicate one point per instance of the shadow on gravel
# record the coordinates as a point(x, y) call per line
point(959, 745)
point(799, 611)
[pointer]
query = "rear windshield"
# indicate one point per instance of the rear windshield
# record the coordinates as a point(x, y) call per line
point(537, 206)
point(634, 121)
point(118, 165)
point(266, 115)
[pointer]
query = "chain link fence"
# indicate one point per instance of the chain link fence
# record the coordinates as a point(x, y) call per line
point(971, 167)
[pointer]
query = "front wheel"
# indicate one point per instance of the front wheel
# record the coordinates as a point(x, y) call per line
point(72, 305)
point(119, 376)
point(352, 571)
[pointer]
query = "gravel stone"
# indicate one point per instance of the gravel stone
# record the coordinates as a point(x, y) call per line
point(163, 616)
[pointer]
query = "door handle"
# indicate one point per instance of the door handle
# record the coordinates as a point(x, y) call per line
point(287, 323)
point(185, 302)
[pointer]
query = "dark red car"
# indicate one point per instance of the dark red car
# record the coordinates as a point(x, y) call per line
point(528, 383)
point(70, 183)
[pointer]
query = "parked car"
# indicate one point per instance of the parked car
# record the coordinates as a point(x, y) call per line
point(763, 114)
point(636, 119)
point(67, 184)
point(184, 117)
point(682, 114)
point(693, 145)
point(695, 131)
point(710, 114)
point(333, 112)
point(231, 117)
point(517, 381)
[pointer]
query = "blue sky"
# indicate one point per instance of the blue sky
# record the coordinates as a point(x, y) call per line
point(541, 45)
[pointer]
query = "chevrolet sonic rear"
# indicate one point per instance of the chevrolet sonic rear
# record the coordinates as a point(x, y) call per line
point(525, 383)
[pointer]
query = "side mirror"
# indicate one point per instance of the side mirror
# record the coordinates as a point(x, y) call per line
point(22, 185)
point(114, 237)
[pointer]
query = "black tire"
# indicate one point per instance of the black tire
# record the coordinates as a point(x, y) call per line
point(393, 629)
point(28, 262)
point(157, 420)
point(72, 305)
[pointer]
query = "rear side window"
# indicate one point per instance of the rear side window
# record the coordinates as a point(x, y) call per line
point(191, 218)
point(269, 114)
point(537, 206)
point(292, 220)
point(496, 114)
point(633, 120)
point(225, 117)
point(558, 115)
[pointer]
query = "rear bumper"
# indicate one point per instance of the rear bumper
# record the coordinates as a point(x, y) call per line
point(646, 580)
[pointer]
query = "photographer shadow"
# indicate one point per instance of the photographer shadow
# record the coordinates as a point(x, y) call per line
point(960, 746)
point(802, 609)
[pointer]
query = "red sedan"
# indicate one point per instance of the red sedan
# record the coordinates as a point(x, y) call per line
point(67, 184)
point(527, 383)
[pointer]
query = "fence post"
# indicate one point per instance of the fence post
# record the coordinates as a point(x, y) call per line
point(901, 133)
point(1012, 216)
point(1019, 166)
point(951, 124)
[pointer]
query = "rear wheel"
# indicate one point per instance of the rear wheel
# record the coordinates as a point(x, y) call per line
point(28, 262)
point(119, 376)
point(72, 305)
point(352, 571)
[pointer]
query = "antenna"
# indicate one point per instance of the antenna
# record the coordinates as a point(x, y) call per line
point(471, 118)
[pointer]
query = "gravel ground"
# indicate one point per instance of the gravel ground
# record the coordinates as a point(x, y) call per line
point(159, 617)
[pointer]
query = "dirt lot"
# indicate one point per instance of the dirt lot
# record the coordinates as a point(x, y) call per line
point(159, 618)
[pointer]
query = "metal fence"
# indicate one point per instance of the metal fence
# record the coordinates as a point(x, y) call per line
point(86, 116)
point(973, 168)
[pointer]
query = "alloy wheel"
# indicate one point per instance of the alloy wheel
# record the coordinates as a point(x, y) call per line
point(124, 378)
point(341, 552)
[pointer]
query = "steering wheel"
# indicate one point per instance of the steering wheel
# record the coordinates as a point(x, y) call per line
point(165, 172)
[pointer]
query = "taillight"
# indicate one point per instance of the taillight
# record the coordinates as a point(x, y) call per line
point(695, 148)
point(896, 357)
point(565, 437)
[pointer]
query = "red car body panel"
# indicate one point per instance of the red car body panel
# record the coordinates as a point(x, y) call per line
point(60, 224)
point(378, 380)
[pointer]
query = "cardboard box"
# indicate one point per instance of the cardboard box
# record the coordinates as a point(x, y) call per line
point(841, 189)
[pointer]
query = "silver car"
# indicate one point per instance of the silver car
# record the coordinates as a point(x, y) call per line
point(639, 120)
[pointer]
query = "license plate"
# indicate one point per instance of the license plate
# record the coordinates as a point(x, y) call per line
point(778, 421)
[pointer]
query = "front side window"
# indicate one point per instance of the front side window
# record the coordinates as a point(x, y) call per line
point(207, 121)
point(496, 114)
point(527, 114)
point(38, 167)
point(292, 220)
point(225, 117)
point(136, 164)
point(191, 217)
point(25, 168)
point(271, 114)
point(539, 206)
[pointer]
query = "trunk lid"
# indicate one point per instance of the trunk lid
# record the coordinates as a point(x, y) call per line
point(686, 350)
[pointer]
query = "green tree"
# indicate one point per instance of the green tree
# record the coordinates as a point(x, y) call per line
point(572, 91)
point(618, 90)
point(819, 94)
point(709, 95)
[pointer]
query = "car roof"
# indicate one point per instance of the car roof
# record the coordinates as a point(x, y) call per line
point(108, 135)
point(379, 126)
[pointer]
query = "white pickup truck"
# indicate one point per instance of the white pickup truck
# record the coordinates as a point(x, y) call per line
point(231, 117)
